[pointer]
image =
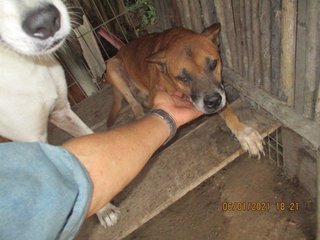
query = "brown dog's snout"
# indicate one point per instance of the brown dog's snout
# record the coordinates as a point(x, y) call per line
point(213, 101)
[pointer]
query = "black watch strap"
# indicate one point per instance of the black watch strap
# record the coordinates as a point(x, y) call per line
point(168, 119)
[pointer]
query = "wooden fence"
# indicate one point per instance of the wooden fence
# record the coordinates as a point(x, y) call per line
point(271, 45)
point(270, 53)
point(269, 48)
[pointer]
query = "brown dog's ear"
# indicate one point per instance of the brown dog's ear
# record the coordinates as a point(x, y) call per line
point(159, 59)
point(212, 32)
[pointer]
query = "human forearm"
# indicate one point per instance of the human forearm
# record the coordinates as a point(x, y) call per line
point(114, 158)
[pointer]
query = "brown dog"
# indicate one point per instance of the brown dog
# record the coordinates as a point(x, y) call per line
point(177, 59)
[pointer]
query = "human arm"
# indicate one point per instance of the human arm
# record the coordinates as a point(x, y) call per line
point(115, 157)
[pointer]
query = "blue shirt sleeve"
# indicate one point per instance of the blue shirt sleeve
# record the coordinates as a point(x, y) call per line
point(44, 192)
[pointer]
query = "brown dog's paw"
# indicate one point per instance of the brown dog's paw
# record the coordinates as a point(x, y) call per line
point(250, 140)
point(137, 111)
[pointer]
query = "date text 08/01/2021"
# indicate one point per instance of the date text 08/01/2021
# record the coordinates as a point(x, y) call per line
point(260, 206)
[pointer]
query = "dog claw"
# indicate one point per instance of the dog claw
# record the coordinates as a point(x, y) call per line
point(108, 215)
point(251, 141)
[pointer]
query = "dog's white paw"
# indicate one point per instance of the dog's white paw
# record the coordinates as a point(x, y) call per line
point(250, 140)
point(108, 215)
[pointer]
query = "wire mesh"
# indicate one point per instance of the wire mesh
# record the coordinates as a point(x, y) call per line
point(274, 147)
point(113, 21)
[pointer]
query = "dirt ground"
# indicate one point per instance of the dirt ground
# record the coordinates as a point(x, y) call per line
point(199, 215)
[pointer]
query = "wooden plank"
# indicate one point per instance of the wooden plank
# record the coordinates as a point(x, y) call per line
point(265, 30)
point(307, 129)
point(275, 46)
point(196, 19)
point(288, 51)
point(207, 12)
point(318, 193)
point(248, 33)
point(244, 47)
point(92, 110)
point(175, 18)
point(301, 56)
point(178, 169)
point(72, 63)
point(224, 37)
point(231, 32)
point(238, 35)
point(186, 14)
point(90, 49)
point(256, 42)
point(166, 14)
point(312, 58)
point(317, 107)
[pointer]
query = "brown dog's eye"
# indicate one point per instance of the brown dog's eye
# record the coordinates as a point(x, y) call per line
point(184, 77)
point(212, 64)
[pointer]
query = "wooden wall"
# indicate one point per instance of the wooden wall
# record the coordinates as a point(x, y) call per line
point(272, 45)
point(271, 55)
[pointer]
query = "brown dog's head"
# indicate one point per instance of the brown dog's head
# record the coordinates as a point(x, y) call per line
point(191, 62)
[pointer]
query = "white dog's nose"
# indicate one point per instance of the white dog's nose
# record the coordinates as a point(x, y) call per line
point(42, 23)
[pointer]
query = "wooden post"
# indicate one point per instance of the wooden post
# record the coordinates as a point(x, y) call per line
point(249, 40)
point(225, 43)
point(231, 34)
point(207, 13)
point(196, 15)
point(317, 109)
point(312, 58)
point(275, 46)
point(318, 193)
point(186, 14)
point(160, 12)
point(195, 12)
point(238, 35)
point(300, 56)
point(288, 51)
point(175, 18)
point(256, 43)
point(244, 45)
point(265, 30)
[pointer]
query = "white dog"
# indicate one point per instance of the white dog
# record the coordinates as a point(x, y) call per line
point(32, 83)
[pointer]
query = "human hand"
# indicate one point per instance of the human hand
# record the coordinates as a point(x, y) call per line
point(180, 109)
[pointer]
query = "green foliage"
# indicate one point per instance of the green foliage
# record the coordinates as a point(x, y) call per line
point(144, 9)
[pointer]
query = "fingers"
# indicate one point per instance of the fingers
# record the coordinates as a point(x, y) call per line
point(181, 102)
point(160, 87)
point(177, 93)
point(175, 104)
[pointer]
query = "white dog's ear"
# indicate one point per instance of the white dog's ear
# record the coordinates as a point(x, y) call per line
point(159, 58)
point(212, 32)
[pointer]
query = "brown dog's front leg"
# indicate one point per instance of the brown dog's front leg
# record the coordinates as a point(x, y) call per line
point(117, 76)
point(249, 138)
